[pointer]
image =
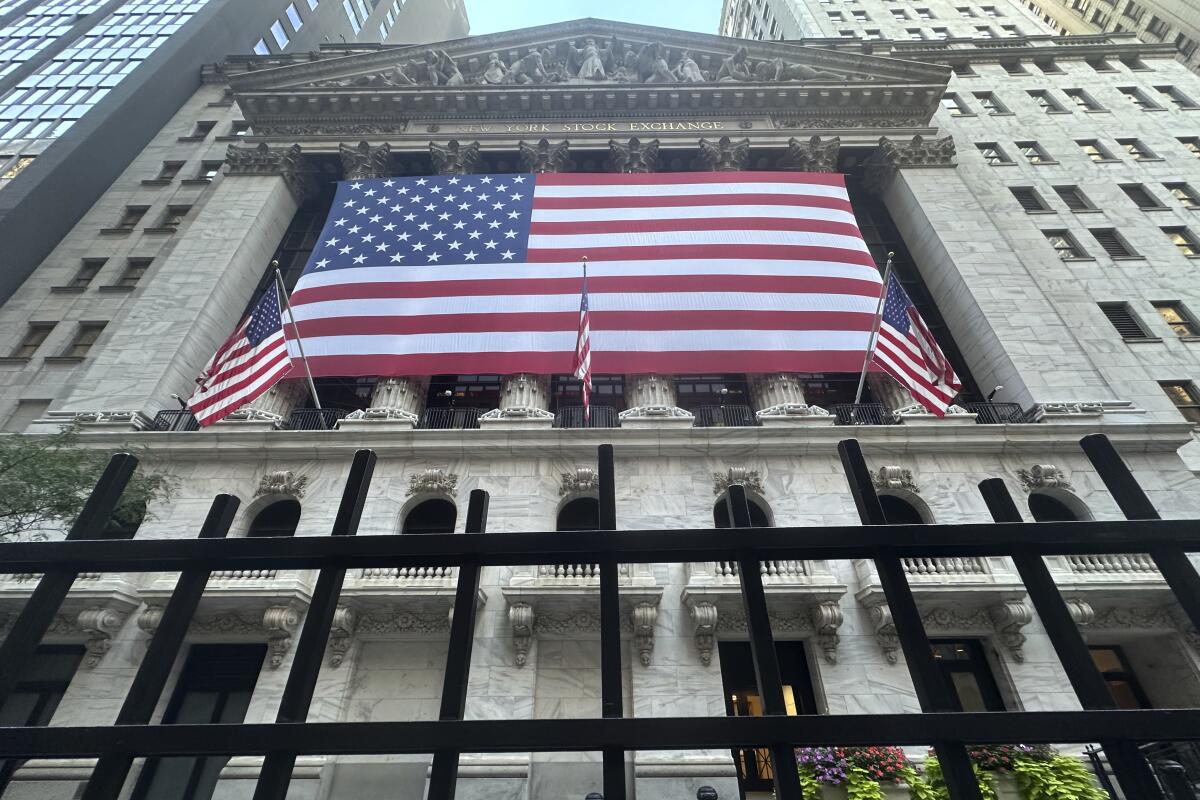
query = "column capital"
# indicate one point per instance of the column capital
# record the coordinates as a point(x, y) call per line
point(893, 155)
point(454, 158)
point(365, 161)
point(814, 155)
point(264, 160)
point(633, 156)
point(725, 155)
point(544, 156)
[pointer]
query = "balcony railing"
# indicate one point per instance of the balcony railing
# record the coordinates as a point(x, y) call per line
point(997, 413)
point(863, 414)
point(1124, 563)
point(772, 571)
point(922, 567)
point(315, 419)
point(175, 419)
point(450, 418)
point(600, 417)
point(725, 416)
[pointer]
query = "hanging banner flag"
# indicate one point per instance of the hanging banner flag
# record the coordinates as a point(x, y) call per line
point(687, 272)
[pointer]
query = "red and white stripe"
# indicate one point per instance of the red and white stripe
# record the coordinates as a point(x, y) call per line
point(583, 350)
point(688, 272)
point(238, 373)
point(919, 366)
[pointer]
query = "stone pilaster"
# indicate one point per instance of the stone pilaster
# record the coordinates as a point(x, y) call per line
point(652, 403)
point(524, 403)
point(779, 400)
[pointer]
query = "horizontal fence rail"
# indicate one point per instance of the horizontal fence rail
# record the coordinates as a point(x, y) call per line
point(1165, 543)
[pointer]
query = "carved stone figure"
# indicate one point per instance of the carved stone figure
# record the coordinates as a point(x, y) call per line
point(660, 71)
point(779, 70)
point(687, 70)
point(736, 67)
point(633, 156)
point(439, 69)
point(544, 156)
point(529, 69)
point(495, 70)
point(724, 155)
point(590, 60)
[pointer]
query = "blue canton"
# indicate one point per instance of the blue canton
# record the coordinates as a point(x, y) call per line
point(265, 320)
point(896, 305)
point(427, 221)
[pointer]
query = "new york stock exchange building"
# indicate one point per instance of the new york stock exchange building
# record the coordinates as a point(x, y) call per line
point(1048, 246)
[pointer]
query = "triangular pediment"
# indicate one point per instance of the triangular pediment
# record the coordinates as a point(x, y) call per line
point(582, 53)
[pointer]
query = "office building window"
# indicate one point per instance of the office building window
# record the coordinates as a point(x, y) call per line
point(209, 170)
point(131, 217)
point(135, 268)
point(1157, 28)
point(1029, 199)
point(1139, 98)
point(1184, 240)
point(239, 127)
point(1177, 97)
point(984, 32)
point(1185, 397)
point(260, 48)
point(203, 128)
point(1184, 193)
point(1064, 244)
point(1124, 320)
point(965, 12)
point(991, 103)
point(1048, 66)
point(1101, 65)
point(349, 9)
point(955, 105)
point(293, 17)
point(279, 34)
point(312, 4)
point(169, 170)
point(1095, 151)
point(941, 34)
point(1113, 243)
point(1010, 30)
point(992, 153)
point(1034, 153)
point(36, 696)
point(990, 11)
point(85, 337)
point(34, 337)
point(963, 70)
point(1191, 144)
point(1138, 150)
point(174, 216)
point(88, 269)
point(914, 34)
point(924, 13)
point(382, 31)
point(1074, 198)
point(1180, 320)
point(1141, 196)
point(1014, 67)
point(1134, 64)
point(1046, 101)
point(836, 16)
point(860, 15)
point(900, 14)
point(1122, 684)
point(1082, 99)
point(872, 33)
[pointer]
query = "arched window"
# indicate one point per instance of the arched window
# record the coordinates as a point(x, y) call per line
point(898, 511)
point(278, 519)
point(581, 514)
point(758, 515)
point(1046, 508)
point(125, 520)
point(431, 516)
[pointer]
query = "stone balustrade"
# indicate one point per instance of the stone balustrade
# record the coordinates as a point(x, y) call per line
point(771, 571)
point(411, 574)
point(1123, 564)
point(245, 575)
point(935, 567)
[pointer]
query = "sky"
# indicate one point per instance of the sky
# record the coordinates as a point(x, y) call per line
point(490, 16)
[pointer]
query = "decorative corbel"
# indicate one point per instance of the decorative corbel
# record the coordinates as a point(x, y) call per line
point(643, 617)
point(99, 625)
point(725, 155)
point(704, 617)
point(634, 156)
point(1081, 611)
point(811, 156)
point(520, 616)
point(1009, 616)
point(544, 156)
point(893, 478)
point(437, 481)
point(885, 632)
point(454, 158)
point(341, 634)
point(280, 623)
point(827, 617)
point(149, 619)
point(282, 482)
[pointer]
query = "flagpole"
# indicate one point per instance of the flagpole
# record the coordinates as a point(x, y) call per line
point(312, 387)
point(871, 342)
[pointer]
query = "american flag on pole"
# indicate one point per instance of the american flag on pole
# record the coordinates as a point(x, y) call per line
point(249, 363)
point(688, 272)
point(907, 351)
point(583, 351)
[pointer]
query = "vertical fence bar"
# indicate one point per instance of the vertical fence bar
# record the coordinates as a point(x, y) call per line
point(1172, 562)
point(762, 649)
point(276, 774)
point(38, 614)
point(443, 776)
point(108, 777)
point(932, 692)
point(611, 690)
point(1132, 770)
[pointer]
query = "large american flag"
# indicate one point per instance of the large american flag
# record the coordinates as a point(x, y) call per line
point(689, 272)
point(907, 351)
point(249, 363)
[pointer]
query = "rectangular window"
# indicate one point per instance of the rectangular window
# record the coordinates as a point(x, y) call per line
point(1184, 193)
point(1139, 151)
point(214, 687)
point(992, 153)
point(963, 70)
point(169, 170)
point(293, 16)
point(1184, 240)
point(836, 16)
point(1134, 64)
point(239, 127)
point(861, 16)
point(1124, 320)
point(131, 217)
point(135, 268)
point(209, 170)
point(967, 675)
point(900, 14)
point(174, 216)
point(1046, 101)
point(1139, 98)
point(1185, 397)
point(1178, 318)
point(279, 34)
point(941, 33)
point(1014, 67)
point(954, 104)
point(965, 12)
point(990, 11)
point(34, 337)
point(349, 9)
point(924, 13)
point(88, 269)
point(1157, 28)
point(1049, 66)
point(260, 48)
point(1082, 99)
point(36, 696)
point(85, 337)
point(1101, 65)
point(1010, 30)
point(26, 413)
point(914, 34)
point(984, 32)
point(1177, 97)
point(1029, 199)
point(1064, 244)
point(203, 128)
point(1141, 196)
point(1034, 153)
point(991, 103)
point(1122, 684)
point(1113, 243)
point(1191, 144)
point(1095, 151)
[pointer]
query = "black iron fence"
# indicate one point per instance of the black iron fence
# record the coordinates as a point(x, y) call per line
point(998, 413)
point(599, 417)
point(725, 416)
point(450, 418)
point(1119, 732)
point(176, 419)
point(863, 414)
point(315, 419)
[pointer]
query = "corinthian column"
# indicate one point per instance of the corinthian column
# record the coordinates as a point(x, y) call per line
point(271, 409)
point(779, 400)
point(524, 403)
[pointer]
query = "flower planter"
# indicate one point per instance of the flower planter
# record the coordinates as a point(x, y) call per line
point(1006, 789)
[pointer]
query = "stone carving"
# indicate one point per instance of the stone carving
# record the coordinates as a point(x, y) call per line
point(544, 156)
point(280, 623)
point(364, 161)
point(287, 162)
point(437, 69)
point(341, 634)
point(150, 618)
point(589, 61)
point(1043, 476)
point(725, 155)
point(811, 156)
point(1073, 408)
point(394, 400)
point(827, 617)
point(894, 478)
point(495, 71)
point(1081, 611)
point(633, 156)
point(704, 617)
point(735, 68)
point(735, 621)
point(779, 71)
point(282, 482)
point(433, 481)
point(122, 419)
point(750, 478)
point(386, 623)
point(322, 126)
point(453, 158)
point(643, 617)
point(653, 66)
point(885, 632)
point(1009, 617)
point(891, 156)
point(652, 397)
point(523, 396)
point(530, 68)
point(520, 616)
point(575, 622)
point(99, 625)
point(687, 70)
point(583, 479)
